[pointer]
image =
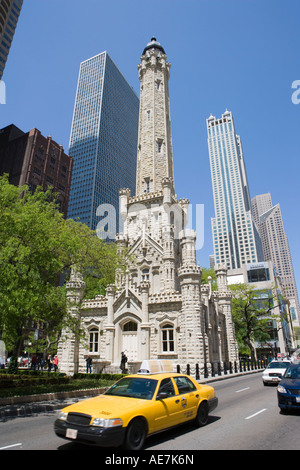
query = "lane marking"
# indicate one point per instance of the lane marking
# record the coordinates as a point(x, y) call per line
point(242, 390)
point(255, 414)
point(12, 445)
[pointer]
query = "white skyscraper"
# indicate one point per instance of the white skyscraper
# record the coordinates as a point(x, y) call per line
point(276, 246)
point(235, 237)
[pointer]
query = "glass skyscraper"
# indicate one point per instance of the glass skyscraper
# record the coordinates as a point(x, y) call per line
point(9, 15)
point(235, 236)
point(103, 140)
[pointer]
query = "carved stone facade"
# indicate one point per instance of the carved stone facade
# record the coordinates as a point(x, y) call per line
point(158, 309)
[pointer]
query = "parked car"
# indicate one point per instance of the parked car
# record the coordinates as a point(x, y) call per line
point(135, 407)
point(274, 372)
point(288, 391)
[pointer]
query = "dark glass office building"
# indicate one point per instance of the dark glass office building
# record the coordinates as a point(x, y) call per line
point(103, 140)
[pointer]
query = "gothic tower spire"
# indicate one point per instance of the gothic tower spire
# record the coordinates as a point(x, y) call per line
point(154, 153)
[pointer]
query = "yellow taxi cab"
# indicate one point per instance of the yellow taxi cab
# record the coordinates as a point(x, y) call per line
point(137, 406)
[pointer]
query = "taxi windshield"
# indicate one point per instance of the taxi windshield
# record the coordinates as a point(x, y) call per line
point(133, 387)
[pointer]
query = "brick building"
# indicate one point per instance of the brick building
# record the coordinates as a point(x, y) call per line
point(32, 159)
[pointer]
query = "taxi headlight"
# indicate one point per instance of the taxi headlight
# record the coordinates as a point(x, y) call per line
point(107, 423)
point(63, 416)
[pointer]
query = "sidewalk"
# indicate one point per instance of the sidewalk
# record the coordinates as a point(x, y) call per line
point(29, 405)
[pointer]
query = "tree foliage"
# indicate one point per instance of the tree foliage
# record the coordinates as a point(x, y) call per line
point(251, 312)
point(37, 245)
point(209, 272)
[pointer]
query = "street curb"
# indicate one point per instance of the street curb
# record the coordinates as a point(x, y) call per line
point(30, 404)
point(49, 396)
point(217, 378)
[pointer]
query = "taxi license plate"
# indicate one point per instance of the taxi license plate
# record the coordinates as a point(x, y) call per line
point(71, 433)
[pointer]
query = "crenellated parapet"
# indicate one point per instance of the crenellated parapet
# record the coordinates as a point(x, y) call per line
point(165, 297)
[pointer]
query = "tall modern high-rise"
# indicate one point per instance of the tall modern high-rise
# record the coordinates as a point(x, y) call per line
point(276, 246)
point(103, 140)
point(9, 15)
point(235, 236)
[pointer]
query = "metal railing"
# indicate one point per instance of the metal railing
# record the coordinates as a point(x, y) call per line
point(212, 369)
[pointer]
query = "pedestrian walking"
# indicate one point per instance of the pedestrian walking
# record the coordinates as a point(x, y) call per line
point(55, 363)
point(123, 362)
point(89, 364)
point(33, 362)
point(49, 361)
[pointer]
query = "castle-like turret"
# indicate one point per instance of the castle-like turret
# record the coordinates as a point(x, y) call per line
point(155, 155)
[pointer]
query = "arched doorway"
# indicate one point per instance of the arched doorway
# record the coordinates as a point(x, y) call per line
point(130, 340)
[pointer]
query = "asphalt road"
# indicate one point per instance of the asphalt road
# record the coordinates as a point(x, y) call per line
point(247, 418)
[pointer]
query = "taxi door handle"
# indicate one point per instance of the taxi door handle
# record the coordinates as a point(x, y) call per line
point(176, 401)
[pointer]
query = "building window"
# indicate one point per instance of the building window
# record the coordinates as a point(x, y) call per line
point(147, 183)
point(159, 146)
point(258, 275)
point(94, 341)
point(145, 275)
point(130, 326)
point(168, 338)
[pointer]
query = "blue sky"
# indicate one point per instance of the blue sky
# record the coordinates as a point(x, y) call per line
point(242, 55)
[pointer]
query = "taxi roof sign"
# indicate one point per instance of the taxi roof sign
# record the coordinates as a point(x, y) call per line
point(156, 366)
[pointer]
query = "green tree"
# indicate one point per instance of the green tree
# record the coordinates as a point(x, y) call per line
point(37, 245)
point(209, 272)
point(251, 311)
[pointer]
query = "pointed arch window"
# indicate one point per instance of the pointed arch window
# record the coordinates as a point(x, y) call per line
point(167, 338)
point(159, 145)
point(93, 340)
point(147, 185)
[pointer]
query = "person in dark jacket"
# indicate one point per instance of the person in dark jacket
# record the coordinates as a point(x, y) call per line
point(123, 362)
point(89, 364)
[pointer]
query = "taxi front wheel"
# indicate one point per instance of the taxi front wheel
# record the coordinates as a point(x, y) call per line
point(202, 415)
point(135, 435)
